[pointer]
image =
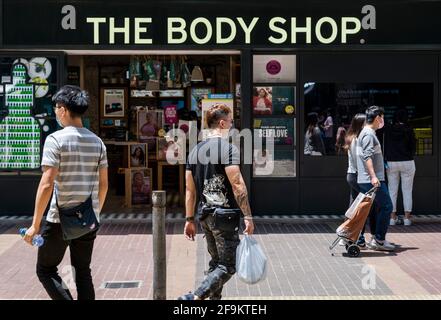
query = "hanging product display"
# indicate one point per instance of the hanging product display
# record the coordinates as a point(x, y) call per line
point(171, 76)
point(157, 67)
point(185, 74)
point(135, 71)
point(148, 67)
point(164, 75)
point(177, 77)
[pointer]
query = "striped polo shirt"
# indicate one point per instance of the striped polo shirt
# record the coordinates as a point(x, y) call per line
point(77, 153)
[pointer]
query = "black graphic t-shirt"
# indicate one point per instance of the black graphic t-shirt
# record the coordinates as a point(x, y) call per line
point(207, 162)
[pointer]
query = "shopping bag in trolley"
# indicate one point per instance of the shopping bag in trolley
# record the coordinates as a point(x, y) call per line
point(357, 215)
point(352, 209)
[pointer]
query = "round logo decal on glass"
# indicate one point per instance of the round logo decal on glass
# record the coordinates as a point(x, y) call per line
point(273, 67)
point(289, 109)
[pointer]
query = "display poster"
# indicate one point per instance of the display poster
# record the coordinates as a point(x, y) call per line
point(274, 68)
point(281, 129)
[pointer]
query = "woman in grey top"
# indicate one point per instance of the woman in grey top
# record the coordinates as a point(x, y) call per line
point(357, 125)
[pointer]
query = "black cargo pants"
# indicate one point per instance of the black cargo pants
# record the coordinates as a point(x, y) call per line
point(221, 246)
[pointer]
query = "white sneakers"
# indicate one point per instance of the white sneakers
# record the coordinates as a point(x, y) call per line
point(381, 245)
point(405, 221)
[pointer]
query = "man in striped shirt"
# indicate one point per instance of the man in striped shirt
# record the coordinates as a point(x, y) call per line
point(74, 165)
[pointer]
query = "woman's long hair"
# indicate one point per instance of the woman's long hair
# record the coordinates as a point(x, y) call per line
point(341, 140)
point(312, 120)
point(357, 125)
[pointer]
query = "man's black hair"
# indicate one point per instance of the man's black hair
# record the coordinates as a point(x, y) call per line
point(372, 112)
point(73, 98)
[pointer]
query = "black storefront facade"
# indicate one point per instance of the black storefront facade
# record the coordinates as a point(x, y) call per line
point(387, 55)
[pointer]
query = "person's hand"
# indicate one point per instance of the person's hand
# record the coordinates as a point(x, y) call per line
point(375, 182)
point(190, 230)
point(30, 233)
point(249, 227)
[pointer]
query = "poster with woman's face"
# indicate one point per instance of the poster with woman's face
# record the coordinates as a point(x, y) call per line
point(141, 186)
point(138, 155)
point(262, 100)
point(149, 123)
point(276, 100)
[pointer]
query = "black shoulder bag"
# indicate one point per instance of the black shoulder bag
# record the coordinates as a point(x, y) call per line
point(80, 220)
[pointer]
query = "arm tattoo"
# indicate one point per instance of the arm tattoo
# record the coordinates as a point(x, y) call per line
point(241, 195)
point(242, 200)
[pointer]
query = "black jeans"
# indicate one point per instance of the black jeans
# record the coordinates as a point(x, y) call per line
point(50, 255)
point(221, 246)
point(351, 179)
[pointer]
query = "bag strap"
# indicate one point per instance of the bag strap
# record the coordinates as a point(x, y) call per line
point(96, 174)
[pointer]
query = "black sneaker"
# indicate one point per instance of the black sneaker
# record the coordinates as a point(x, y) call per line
point(362, 245)
point(188, 296)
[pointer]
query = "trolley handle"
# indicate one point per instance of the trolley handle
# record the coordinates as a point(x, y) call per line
point(372, 191)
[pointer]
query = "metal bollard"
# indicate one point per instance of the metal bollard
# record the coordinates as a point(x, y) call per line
point(159, 261)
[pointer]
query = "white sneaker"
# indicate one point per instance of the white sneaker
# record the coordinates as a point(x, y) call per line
point(407, 222)
point(381, 246)
point(342, 242)
point(393, 222)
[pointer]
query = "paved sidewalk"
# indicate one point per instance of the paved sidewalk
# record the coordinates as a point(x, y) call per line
point(300, 264)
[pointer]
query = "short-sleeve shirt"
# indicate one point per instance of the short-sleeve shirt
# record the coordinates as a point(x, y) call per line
point(78, 154)
point(207, 162)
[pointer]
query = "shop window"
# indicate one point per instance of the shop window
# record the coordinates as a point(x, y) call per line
point(330, 107)
point(274, 115)
point(26, 109)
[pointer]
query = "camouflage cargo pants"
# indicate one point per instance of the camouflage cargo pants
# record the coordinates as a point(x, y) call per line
point(221, 246)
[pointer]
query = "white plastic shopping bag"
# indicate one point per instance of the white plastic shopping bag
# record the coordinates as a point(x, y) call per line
point(251, 262)
point(353, 208)
point(360, 198)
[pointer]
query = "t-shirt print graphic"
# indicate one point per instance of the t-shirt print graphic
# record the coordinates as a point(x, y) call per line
point(215, 192)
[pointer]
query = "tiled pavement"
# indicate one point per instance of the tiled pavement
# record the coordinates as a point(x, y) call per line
point(300, 265)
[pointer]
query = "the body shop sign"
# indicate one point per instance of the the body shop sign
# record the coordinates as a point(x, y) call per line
point(225, 30)
point(199, 24)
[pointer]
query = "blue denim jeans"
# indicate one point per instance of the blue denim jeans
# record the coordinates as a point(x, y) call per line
point(380, 213)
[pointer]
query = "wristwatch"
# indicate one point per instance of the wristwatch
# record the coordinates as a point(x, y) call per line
point(189, 219)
